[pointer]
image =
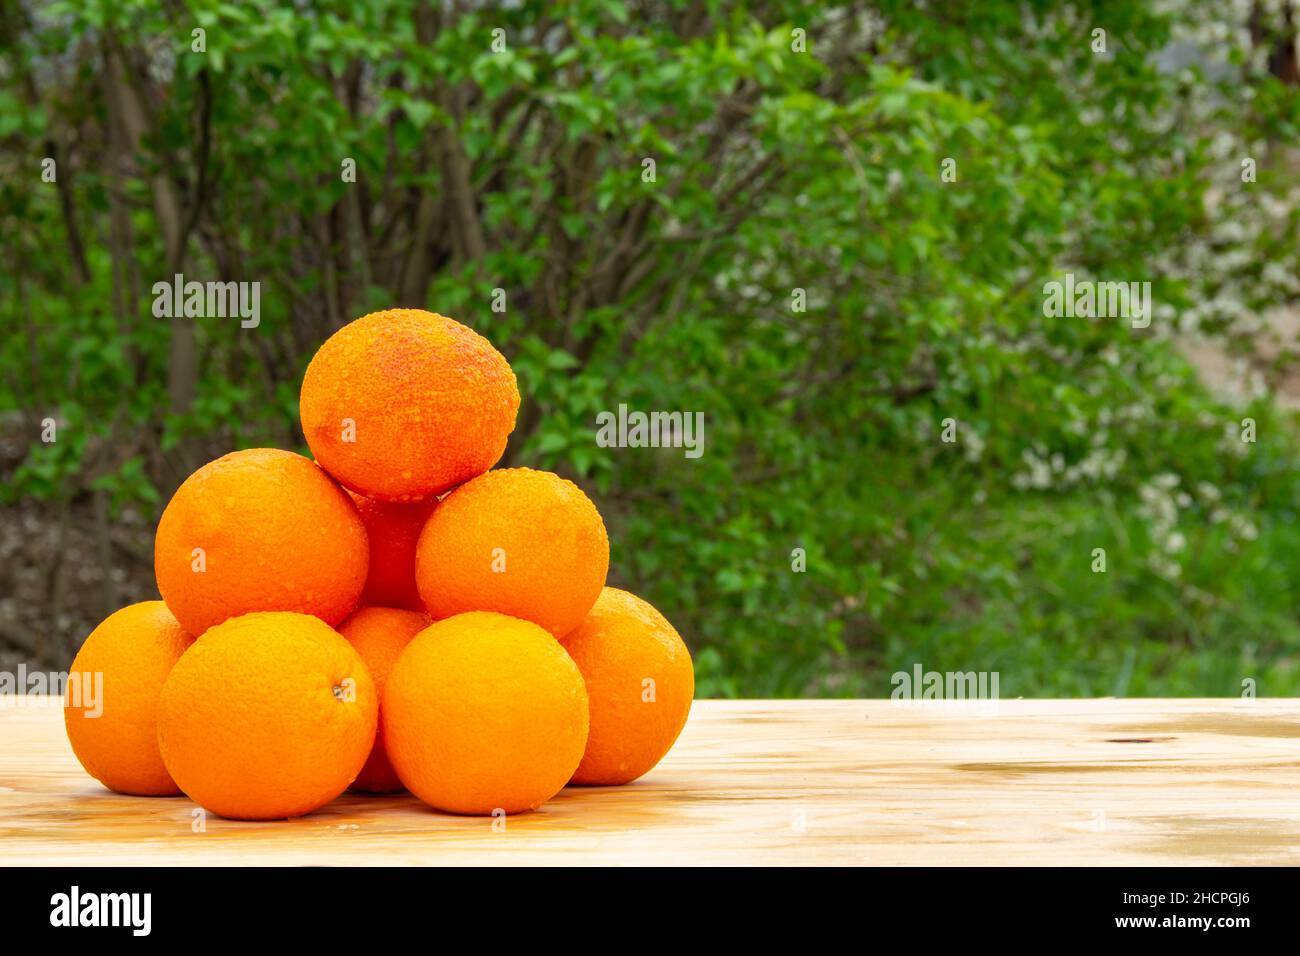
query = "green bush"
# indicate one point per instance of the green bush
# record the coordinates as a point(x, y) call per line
point(782, 178)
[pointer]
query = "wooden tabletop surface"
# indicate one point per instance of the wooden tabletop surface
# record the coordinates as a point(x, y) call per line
point(1078, 782)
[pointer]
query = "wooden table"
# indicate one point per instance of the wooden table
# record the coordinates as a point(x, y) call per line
point(769, 782)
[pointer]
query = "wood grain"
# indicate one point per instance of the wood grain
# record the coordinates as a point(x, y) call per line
point(768, 782)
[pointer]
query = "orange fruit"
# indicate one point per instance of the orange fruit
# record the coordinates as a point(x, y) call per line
point(393, 530)
point(379, 635)
point(485, 713)
point(518, 541)
point(403, 404)
point(639, 683)
point(111, 699)
point(259, 530)
point(268, 716)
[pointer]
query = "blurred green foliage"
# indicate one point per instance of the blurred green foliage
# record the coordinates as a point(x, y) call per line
point(775, 171)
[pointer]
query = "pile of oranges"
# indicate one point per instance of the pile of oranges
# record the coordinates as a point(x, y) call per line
point(394, 615)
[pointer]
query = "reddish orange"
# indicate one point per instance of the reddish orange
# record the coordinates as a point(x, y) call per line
point(380, 634)
point(403, 404)
point(393, 531)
